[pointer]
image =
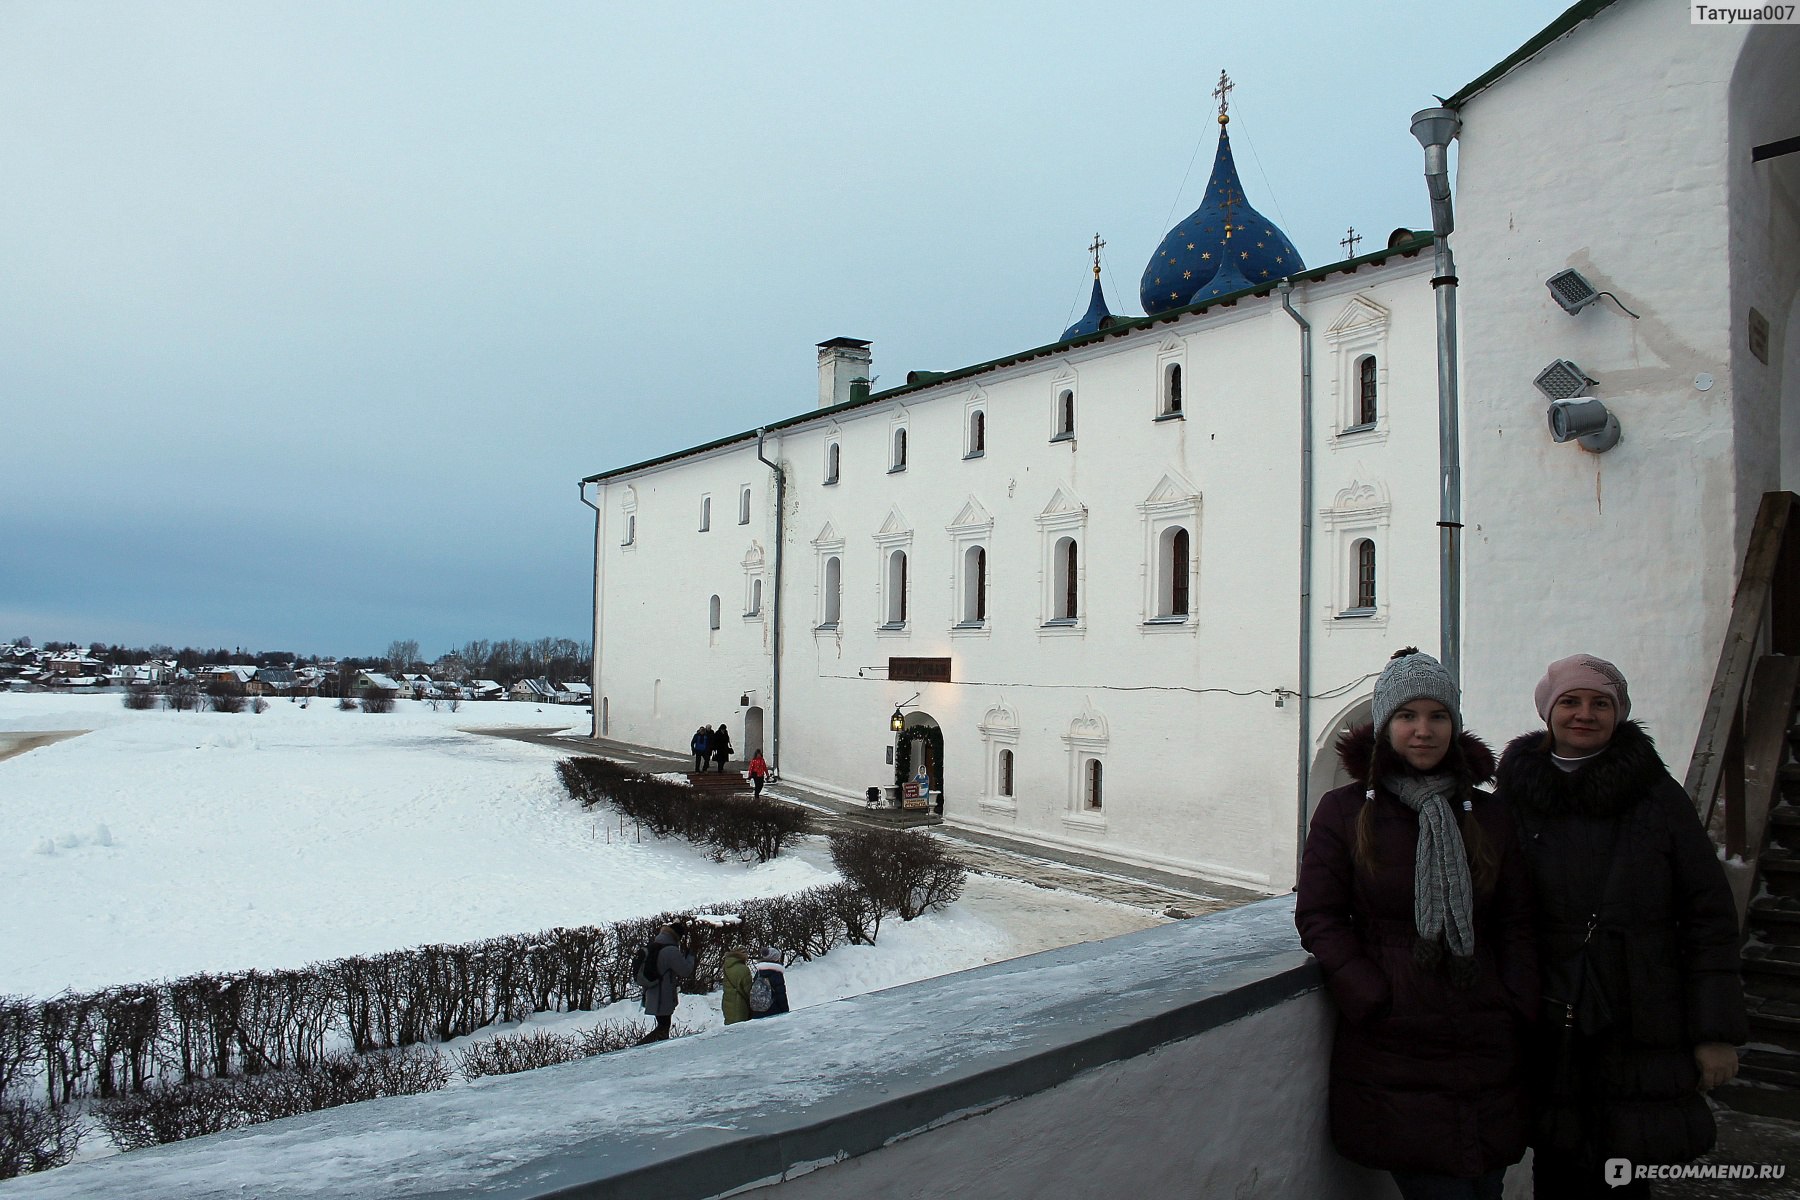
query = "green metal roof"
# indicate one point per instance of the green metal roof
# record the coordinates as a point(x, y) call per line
point(1122, 327)
point(1571, 17)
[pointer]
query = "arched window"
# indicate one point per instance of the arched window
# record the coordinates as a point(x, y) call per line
point(630, 529)
point(705, 513)
point(977, 434)
point(1365, 573)
point(899, 450)
point(1065, 413)
point(1173, 566)
point(834, 589)
point(743, 506)
point(1090, 786)
point(831, 462)
point(896, 588)
point(1066, 561)
point(712, 613)
point(974, 606)
point(1006, 773)
point(1172, 389)
point(755, 597)
point(1365, 390)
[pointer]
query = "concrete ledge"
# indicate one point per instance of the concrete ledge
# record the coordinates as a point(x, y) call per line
point(751, 1106)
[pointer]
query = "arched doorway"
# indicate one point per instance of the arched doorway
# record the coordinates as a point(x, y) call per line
point(919, 751)
point(1327, 771)
point(753, 733)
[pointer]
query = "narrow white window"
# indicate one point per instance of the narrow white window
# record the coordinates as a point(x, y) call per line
point(744, 506)
point(1171, 397)
point(1365, 574)
point(899, 459)
point(1066, 561)
point(1005, 781)
point(705, 513)
point(896, 589)
point(1366, 410)
point(1172, 566)
point(977, 434)
point(834, 589)
point(1090, 786)
point(831, 462)
point(1065, 415)
point(712, 613)
point(974, 605)
point(755, 608)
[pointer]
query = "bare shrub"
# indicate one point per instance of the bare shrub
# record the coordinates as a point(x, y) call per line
point(346, 704)
point(183, 697)
point(542, 1048)
point(226, 700)
point(901, 870)
point(35, 1138)
point(259, 705)
point(139, 699)
point(726, 825)
point(18, 1039)
point(456, 704)
point(378, 700)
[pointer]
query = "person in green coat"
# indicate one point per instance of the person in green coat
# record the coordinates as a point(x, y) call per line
point(737, 985)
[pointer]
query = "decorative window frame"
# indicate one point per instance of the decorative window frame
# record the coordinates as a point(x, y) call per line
point(1360, 330)
point(1359, 511)
point(972, 526)
point(1064, 516)
point(999, 731)
point(1173, 501)
point(1086, 741)
point(896, 533)
point(628, 505)
point(1065, 381)
point(976, 405)
point(1172, 353)
point(753, 578)
point(899, 435)
point(829, 544)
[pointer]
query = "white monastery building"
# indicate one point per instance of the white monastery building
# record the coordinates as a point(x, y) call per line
point(1119, 619)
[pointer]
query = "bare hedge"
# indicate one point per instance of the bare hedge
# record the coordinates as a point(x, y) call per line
point(736, 826)
point(35, 1137)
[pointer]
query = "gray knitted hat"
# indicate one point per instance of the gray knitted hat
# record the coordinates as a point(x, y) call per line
point(1414, 675)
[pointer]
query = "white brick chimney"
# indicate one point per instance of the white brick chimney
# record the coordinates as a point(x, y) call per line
point(842, 361)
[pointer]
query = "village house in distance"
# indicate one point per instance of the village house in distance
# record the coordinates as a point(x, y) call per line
point(1125, 589)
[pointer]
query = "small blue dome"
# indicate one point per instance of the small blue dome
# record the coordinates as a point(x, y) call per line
point(1223, 227)
point(1227, 279)
point(1095, 319)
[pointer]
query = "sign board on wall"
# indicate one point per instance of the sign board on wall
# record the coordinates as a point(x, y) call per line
point(919, 670)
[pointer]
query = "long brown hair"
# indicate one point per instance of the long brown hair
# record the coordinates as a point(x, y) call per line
point(1484, 861)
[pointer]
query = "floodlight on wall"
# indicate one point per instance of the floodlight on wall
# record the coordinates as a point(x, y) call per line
point(1584, 421)
point(1571, 289)
point(1563, 380)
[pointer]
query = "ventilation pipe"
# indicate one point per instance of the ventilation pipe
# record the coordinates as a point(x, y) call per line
point(1304, 700)
point(775, 605)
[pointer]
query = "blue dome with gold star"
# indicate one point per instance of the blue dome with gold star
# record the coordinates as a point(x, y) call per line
point(1223, 227)
point(1096, 318)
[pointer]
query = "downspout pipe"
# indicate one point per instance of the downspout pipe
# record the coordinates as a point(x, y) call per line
point(775, 613)
point(598, 703)
point(1304, 700)
point(1436, 128)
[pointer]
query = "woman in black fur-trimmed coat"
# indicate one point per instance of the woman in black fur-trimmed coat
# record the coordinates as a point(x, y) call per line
point(1637, 933)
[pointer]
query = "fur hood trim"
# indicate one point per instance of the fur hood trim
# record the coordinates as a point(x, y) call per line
point(1611, 783)
point(1356, 749)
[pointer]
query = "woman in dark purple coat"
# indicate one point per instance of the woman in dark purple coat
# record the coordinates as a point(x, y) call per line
point(1415, 901)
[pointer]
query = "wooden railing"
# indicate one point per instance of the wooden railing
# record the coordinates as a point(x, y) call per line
point(1733, 776)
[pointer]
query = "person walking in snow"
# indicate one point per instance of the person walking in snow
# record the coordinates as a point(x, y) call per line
point(721, 746)
point(701, 745)
point(770, 979)
point(737, 985)
point(672, 963)
point(759, 772)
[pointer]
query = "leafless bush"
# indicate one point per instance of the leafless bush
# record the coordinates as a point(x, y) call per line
point(542, 1048)
point(225, 699)
point(901, 870)
point(456, 704)
point(259, 705)
point(35, 1138)
point(726, 825)
point(378, 700)
point(139, 699)
point(18, 1039)
point(183, 697)
point(346, 704)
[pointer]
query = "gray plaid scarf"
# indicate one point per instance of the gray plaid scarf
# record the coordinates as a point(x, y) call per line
point(1443, 900)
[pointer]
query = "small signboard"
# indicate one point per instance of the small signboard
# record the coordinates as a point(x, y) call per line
point(914, 796)
point(919, 670)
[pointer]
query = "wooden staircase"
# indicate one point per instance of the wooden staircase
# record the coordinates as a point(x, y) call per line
point(1745, 781)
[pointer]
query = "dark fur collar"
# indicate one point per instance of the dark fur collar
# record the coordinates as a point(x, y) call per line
point(1611, 783)
point(1357, 747)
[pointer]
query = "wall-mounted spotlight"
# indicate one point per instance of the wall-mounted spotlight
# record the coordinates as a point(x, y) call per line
point(1563, 380)
point(1571, 289)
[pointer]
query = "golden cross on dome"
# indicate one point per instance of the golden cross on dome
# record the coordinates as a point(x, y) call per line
point(1350, 242)
point(1222, 94)
point(1231, 201)
point(1095, 251)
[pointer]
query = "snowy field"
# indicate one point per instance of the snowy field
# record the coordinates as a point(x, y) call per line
point(160, 843)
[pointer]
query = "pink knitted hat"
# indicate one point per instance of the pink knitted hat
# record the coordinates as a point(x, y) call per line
point(1581, 671)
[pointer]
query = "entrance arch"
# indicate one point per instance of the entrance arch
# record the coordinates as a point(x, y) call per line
point(753, 732)
point(920, 745)
point(1327, 771)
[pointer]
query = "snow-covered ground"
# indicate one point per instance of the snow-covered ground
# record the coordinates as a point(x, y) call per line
point(163, 843)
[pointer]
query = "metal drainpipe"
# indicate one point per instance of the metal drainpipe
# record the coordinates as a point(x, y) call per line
point(594, 672)
point(775, 613)
point(1435, 129)
point(1304, 700)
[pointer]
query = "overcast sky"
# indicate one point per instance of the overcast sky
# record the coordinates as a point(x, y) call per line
point(312, 315)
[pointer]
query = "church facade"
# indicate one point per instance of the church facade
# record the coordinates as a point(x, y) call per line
point(1110, 615)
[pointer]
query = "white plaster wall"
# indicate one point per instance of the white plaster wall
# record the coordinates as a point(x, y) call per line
point(1238, 1111)
point(1606, 153)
